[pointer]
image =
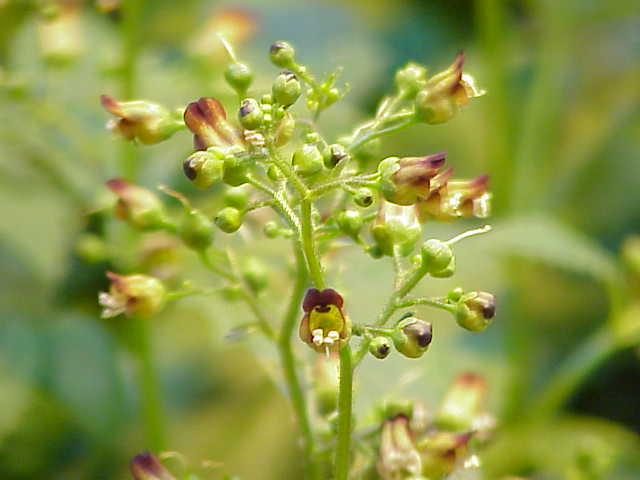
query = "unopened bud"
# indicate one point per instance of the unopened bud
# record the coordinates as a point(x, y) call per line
point(236, 197)
point(282, 54)
point(207, 119)
point(410, 79)
point(196, 230)
point(405, 180)
point(250, 114)
point(132, 295)
point(350, 222)
point(146, 466)
point(363, 197)
point(476, 310)
point(446, 272)
point(229, 219)
point(380, 347)
point(203, 169)
point(396, 228)
point(337, 154)
point(441, 452)
point(138, 206)
point(235, 170)
point(239, 76)
point(436, 256)
point(254, 274)
point(412, 337)
point(307, 160)
point(91, 248)
point(284, 131)
point(286, 89)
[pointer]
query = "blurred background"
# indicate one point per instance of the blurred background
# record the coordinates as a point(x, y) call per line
point(558, 131)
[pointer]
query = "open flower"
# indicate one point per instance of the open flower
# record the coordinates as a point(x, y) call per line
point(132, 295)
point(405, 180)
point(140, 207)
point(451, 199)
point(399, 458)
point(445, 92)
point(207, 119)
point(324, 325)
point(140, 120)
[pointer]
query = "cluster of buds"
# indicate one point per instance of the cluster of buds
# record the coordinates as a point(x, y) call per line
point(423, 448)
point(325, 325)
point(422, 182)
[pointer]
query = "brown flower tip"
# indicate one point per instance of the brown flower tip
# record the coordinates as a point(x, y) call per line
point(321, 298)
point(146, 466)
point(111, 105)
point(207, 119)
point(117, 185)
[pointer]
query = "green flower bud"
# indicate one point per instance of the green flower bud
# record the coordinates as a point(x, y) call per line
point(286, 89)
point(138, 206)
point(412, 337)
point(380, 347)
point(476, 310)
point(363, 197)
point(250, 114)
point(307, 160)
point(396, 227)
point(410, 79)
point(274, 173)
point(271, 229)
point(284, 131)
point(455, 295)
point(282, 54)
point(196, 230)
point(447, 272)
point(325, 383)
point(146, 466)
point(137, 294)
point(203, 169)
point(350, 222)
point(436, 255)
point(337, 154)
point(254, 274)
point(235, 171)
point(462, 403)
point(239, 76)
point(236, 197)
point(375, 251)
point(229, 219)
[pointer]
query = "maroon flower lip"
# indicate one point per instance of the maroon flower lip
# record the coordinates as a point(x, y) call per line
point(321, 298)
point(207, 119)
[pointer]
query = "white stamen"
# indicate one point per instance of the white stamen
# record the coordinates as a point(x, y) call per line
point(333, 335)
point(472, 462)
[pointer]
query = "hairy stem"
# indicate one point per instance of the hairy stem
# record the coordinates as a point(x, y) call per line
point(345, 401)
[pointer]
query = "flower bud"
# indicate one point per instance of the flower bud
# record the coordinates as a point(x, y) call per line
point(363, 197)
point(236, 197)
point(396, 227)
point(324, 326)
point(250, 114)
point(284, 131)
point(228, 219)
point(446, 272)
point(462, 403)
point(451, 199)
point(235, 170)
point(307, 160)
point(398, 457)
point(138, 206)
point(147, 122)
point(203, 168)
point(61, 34)
point(146, 466)
point(326, 383)
point(410, 79)
point(412, 337)
point(445, 93)
point(286, 89)
point(337, 154)
point(91, 248)
point(350, 222)
point(196, 230)
point(271, 229)
point(239, 77)
point(207, 119)
point(441, 452)
point(380, 347)
point(132, 295)
point(476, 310)
point(436, 255)
point(405, 180)
point(282, 54)
point(254, 274)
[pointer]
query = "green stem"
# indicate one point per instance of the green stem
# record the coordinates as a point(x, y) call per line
point(407, 119)
point(309, 246)
point(345, 401)
point(298, 400)
point(151, 407)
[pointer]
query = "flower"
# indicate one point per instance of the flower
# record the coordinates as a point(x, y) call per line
point(207, 119)
point(146, 466)
point(451, 199)
point(136, 294)
point(324, 325)
point(445, 92)
point(140, 120)
point(442, 452)
point(475, 310)
point(138, 206)
point(461, 408)
point(405, 180)
point(399, 458)
point(412, 337)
